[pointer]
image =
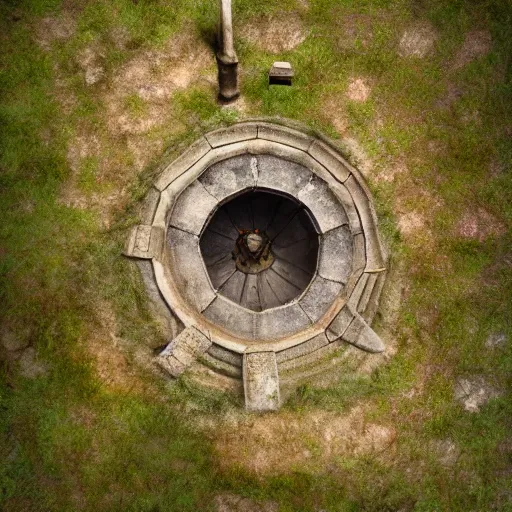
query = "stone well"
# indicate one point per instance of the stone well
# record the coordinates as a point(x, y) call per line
point(263, 242)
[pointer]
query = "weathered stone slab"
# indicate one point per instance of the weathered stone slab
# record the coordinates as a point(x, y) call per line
point(330, 159)
point(304, 348)
point(362, 336)
point(328, 211)
point(192, 209)
point(232, 317)
point(289, 370)
point(340, 324)
point(149, 206)
point(371, 308)
point(280, 322)
point(374, 259)
point(182, 351)
point(232, 134)
point(319, 296)
point(230, 176)
point(188, 268)
point(225, 355)
point(357, 293)
point(145, 242)
point(186, 160)
point(283, 175)
point(261, 382)
point(336, 253)
point(343, 195)
point(359, 253)
point(284, 135)
point(367, 293)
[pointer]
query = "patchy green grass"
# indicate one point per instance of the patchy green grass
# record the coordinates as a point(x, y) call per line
point(100, 432)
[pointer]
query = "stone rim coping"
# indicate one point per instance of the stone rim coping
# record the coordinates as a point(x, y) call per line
point(320, 157)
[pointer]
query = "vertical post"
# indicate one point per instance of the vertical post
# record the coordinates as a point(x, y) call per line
point(227, 60)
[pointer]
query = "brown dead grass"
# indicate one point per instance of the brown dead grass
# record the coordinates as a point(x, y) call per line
point(280, 442)
point(127, 140)
point(277, 34)
point(476, 45)
point(479, 224)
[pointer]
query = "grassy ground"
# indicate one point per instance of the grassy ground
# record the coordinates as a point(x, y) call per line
point(97, 430)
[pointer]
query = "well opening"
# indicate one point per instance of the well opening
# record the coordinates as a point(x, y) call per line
point(260, 249)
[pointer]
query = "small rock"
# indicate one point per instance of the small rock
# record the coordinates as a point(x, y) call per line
point(13, 342)
point(473, 392)
point(29, 365)
point(496, 339)
point(94, 74)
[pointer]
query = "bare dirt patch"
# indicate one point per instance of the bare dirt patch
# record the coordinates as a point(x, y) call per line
point(55, 28)
point(108, 356)
point(358, 90)
point(229, 502)
point(275, 35)
point(476, 45)
point(479, 224)
point(138, 115)
point(474, 392)
point(280, 442)
point(417, 41)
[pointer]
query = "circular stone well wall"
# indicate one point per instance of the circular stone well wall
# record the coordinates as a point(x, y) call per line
point(264, 243)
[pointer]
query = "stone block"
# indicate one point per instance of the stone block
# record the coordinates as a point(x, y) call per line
point(183, 351)
point(319, 198)
point(232, 134)
point(284, 135)
point(283, 175)
point(358, 291)
point(145, 242)
point(336, 255)
point(232, 317)
point(330, 159)
point(227, 356)
point(261, 382)
point(231, 176)
point(149, 206)
point(367, 293)
point(184, 162)
point(340, 324)
point(374, 258)
point(373, 303)
point(362, 336)
point(319, 297)
point(193, 208)
point(303, 349)
point(277, 323)
point(345, 199)
point(188, 268)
